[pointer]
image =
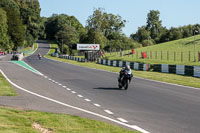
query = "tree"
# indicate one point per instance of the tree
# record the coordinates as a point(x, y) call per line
point(4, 39)
point(30, 15)
point(103, 28)
point(67, 36)
point(174, 34)
point(141, 34)
point(105, 23)
point(154, 25)
point(42, 34)
point(16, 30)
point(56, 22)
point(97, 38)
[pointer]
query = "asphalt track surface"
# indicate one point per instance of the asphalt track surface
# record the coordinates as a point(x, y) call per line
point(155, 107)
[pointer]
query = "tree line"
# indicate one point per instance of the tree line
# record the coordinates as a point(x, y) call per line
point(102, 28)
point(21, 24)
point(153, 32)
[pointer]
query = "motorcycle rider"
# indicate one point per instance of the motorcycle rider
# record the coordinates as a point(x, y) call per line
point(39, 56)
point(121, 73)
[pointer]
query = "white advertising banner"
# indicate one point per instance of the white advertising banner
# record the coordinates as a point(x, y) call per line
point(88, 47)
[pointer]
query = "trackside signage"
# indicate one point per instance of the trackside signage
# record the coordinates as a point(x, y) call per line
point(88, 47)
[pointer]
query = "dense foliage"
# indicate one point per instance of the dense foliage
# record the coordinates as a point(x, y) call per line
point(153, 32)
point(23, 23)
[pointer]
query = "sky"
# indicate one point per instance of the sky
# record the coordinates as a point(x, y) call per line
point(173, 13)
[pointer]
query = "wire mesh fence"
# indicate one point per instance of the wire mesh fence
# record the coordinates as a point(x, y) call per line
point(172, 56)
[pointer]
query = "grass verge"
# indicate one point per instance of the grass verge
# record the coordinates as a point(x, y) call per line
point(163, 77)
point(5, 87)
point(21, 121)
point(178, 52)
point(35, 45)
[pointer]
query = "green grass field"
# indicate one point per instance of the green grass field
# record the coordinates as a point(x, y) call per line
point(5, 87)
point(173, 52)
point(20, 121)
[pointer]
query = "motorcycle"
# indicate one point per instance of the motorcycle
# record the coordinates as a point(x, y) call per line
point(125, 80)
point(39, 56)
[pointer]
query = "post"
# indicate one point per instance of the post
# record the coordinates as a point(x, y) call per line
point(181, 56)
point(174, 56)
point(137, 55)
point(194, 48)
point(62, 46)
point(151, 54)
point(189, 56)
point(167, 55)
point(156, 54)
point(195, 31)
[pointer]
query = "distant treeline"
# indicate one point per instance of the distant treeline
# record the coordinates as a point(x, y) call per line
point(153, 32)
point(21, 25)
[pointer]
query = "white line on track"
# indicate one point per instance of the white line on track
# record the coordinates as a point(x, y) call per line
point(109, 112)
point(64, 86)
point(68, 89)
point(97, 105)
point(50, 79)
point(88, 100)
point(60, 84)
point(80, 96)
point(122, 120)
point(73, 92)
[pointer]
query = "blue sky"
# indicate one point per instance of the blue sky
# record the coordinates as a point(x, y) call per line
point(173, 13)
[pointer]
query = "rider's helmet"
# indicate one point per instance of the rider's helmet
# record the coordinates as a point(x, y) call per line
point(127, 67)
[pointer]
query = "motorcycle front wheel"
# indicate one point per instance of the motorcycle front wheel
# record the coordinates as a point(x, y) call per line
point(126, 85)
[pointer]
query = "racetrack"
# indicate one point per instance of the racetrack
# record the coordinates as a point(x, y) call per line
point(153, 106)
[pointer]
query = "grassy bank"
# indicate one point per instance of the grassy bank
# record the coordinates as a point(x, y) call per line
point(164, 77)
point(174, 52)
point(35, 45)
point(13, 121)
point(5, 87)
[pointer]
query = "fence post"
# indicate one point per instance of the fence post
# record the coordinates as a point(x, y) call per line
point(137, 55)
point(189, 56)
point(150, 54)
point(156, 54)
point(174, 56)
point(181, 56)
point(128, 53)
point(167, 55)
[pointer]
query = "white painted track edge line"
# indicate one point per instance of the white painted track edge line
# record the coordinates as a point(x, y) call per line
point(67, 105)
point(109, 112)
point(122, 120)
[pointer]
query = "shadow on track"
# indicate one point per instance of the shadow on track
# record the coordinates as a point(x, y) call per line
point(107, 88)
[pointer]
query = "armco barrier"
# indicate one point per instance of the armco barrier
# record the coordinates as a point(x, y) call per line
point(72, 58)
point(133, 65)
point(164, 68)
